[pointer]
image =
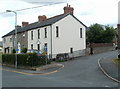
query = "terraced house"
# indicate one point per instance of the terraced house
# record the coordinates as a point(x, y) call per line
point(63, 33)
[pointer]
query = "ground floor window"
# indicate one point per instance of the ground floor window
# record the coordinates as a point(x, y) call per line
point(38, 46)
point(31, 46)
point(45, 47)
point(71, 50)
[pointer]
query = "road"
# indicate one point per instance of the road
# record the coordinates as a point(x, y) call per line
point(81, 72)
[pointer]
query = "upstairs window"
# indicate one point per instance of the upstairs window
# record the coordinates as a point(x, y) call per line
point(10, 39)
point(31, 35)
point(80, 32)
point(23, 35)
point(57, 31)
point(4, 40)
point(38, 33)
point(45, 32)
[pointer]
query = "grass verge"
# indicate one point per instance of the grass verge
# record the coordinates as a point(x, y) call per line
point(117, 61)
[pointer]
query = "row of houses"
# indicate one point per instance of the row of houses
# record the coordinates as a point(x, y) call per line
point(62, 33)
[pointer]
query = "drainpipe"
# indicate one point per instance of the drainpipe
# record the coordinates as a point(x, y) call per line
point(51, 41)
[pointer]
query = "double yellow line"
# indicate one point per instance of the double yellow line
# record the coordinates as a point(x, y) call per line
point(25, 73)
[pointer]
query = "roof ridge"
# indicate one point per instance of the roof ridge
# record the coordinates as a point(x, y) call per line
point(37, 24)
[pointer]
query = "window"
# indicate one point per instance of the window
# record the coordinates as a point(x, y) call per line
point(38, 46)
point(23, 35)
point(45, 44)
point(31, 35)
point(57, 31)
point(80, 32)
point(71, 50)
point(45, 32)
point(38, 33)
point(23, 46)
point(45, 47)
point(4, 40)
point(31, 46)
point(10, 39)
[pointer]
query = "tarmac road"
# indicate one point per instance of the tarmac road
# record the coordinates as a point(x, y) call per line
point(80, 72)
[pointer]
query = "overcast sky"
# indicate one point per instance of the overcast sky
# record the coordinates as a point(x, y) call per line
point(104, 12)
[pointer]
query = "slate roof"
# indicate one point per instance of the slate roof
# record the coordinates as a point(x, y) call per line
point(47, 22)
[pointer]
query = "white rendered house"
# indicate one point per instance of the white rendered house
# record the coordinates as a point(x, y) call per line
point(63, 33)
point(60, 34)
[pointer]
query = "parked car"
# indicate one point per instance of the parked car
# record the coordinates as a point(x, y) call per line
point(39, 52)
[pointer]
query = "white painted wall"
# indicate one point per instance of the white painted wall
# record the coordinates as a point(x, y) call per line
point(40, 41)
point(69, 36)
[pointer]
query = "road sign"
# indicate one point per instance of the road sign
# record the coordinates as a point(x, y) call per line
point(17, 50)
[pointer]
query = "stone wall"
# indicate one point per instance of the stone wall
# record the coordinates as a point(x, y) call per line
point(22, 38)
point(99, 48)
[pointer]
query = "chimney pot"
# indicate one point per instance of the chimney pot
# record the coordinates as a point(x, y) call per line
point(25, 24)
point(67, 4)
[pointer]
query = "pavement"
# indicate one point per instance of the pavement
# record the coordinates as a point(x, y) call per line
point(46, 69)
point(110, 69)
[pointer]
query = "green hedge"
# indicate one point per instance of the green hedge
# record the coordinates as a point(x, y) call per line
point(28, 59)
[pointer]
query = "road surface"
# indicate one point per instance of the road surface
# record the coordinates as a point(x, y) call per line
point(80, 72)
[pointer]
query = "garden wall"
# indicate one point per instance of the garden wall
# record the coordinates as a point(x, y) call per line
point(99, 48)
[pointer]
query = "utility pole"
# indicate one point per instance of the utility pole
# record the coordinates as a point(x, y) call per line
point(118, 28)
point(15, 35)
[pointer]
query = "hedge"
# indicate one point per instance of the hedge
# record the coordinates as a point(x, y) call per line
point(28, 59)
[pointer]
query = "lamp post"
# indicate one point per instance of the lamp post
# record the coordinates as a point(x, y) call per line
point(118, 27)
point(15, 34)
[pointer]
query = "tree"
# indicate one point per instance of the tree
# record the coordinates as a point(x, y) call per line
point(13, 51)
point(109, 34)
point(24, 50)
point(97, 34)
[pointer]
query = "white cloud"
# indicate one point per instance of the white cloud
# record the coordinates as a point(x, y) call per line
point(5, 26)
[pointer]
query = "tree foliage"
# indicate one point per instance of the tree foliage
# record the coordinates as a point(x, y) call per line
point(13, 51)
point(97, 34)
point(24, 50)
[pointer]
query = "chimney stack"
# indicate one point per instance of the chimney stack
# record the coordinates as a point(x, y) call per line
point(68, 9)
point(42, 18)
point(25, 24)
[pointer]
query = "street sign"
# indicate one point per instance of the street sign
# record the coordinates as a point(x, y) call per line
point(17, 50)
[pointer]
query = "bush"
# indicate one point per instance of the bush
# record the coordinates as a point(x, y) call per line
point(24, 50)
point(28, 59)
point(8, 58)
point(13, 51)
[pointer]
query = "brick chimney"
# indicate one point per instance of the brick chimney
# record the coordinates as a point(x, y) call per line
point(42, 18)
point(68, 9)
point(25, 24)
